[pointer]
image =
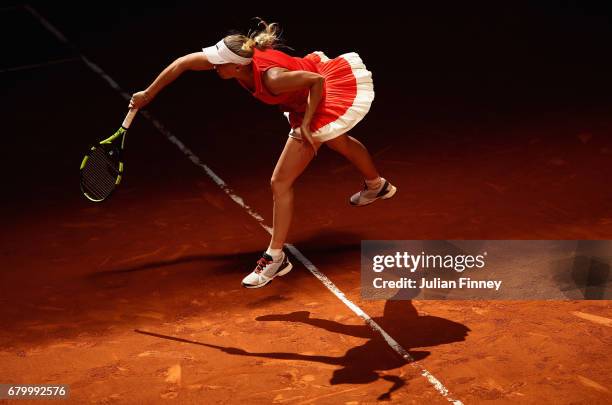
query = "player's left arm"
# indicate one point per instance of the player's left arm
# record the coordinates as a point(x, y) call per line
point(281, 81)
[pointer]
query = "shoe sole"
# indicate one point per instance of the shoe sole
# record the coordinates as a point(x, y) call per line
point(280, 273)
point(285, 270)
point(390, 193)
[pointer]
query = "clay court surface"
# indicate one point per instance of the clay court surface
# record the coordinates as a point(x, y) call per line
point(138, 300)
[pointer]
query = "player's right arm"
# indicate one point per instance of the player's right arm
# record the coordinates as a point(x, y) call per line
point(192, 61)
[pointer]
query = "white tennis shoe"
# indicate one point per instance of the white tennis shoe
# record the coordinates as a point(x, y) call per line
point(368, 196)
point(266, 270)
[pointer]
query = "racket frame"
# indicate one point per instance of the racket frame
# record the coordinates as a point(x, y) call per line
point(120, 132)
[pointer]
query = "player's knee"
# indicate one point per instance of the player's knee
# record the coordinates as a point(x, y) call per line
point(279, 186)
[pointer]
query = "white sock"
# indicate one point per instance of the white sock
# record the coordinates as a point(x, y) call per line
point(275, 253)
point(375, 183)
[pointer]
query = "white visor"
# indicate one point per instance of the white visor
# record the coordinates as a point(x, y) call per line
point(219, 54)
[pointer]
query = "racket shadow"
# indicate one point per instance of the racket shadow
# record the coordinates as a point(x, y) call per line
point(327, 247)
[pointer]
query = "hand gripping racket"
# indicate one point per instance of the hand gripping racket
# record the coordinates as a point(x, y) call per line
point(102, 167)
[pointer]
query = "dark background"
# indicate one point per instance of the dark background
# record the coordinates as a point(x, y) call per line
point(527, 50)
point(436, 65)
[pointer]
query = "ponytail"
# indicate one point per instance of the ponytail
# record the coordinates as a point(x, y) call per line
point(244, 45)
point(267, 37)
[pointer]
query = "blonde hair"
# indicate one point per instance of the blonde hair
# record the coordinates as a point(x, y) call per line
point(244, 45)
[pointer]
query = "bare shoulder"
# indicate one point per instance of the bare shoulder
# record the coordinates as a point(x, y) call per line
point(272, 77)
point(274, 73)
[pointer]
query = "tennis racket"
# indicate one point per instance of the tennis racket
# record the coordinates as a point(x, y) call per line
point(102, 167)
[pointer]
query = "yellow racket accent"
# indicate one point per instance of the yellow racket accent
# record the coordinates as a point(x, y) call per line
point(114, 136)
point(84, 161)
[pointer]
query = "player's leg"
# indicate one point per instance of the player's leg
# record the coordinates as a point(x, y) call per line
point(356, 153)
point(375, 187)
point(293, 160)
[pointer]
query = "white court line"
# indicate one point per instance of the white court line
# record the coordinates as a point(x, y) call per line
point(10, 8)
point(37, 65)
point(442, 390)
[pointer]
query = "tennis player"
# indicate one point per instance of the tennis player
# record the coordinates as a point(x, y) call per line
point(322, 98)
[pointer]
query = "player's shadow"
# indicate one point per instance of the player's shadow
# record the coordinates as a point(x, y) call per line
point(328, 246)
point(363, 364)
point(367, 363)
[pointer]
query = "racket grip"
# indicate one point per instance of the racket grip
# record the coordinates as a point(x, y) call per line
point(129, 117)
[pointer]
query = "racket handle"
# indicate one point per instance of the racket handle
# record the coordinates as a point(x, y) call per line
point(129, 117)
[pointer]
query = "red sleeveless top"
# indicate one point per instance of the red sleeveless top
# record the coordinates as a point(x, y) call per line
point(265, 59)
point(348, 90)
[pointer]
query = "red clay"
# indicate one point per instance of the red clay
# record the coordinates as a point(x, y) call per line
point(138, 300)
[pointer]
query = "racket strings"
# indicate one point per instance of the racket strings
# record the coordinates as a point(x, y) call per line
point(99, 175)
point(97, 184)
point(99, 181)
